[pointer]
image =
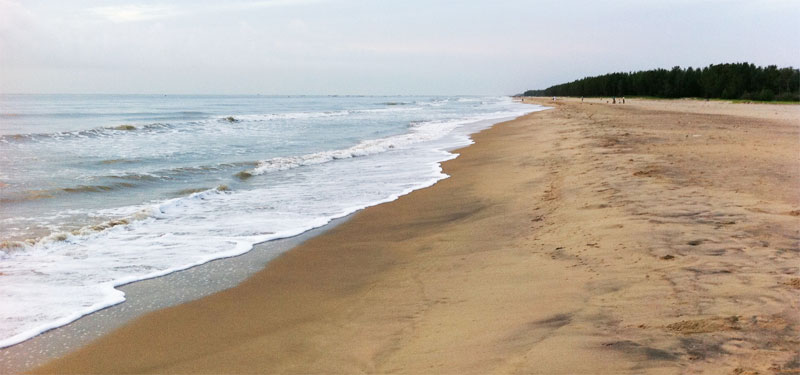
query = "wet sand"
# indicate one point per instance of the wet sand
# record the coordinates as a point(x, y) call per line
point(650, 237)
point(142, 297)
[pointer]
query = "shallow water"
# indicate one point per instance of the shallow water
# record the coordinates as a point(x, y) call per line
point(101, 190)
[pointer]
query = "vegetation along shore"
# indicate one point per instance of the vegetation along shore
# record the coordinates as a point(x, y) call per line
point(725, 81)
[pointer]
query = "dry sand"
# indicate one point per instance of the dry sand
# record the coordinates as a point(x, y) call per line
point(650, 237)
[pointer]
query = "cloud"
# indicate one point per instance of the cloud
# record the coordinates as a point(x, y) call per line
point(327, 45)
point(270, 3)
point(132, 13)
point(135, 13)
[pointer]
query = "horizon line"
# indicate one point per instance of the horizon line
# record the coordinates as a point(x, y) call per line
point(257, 94)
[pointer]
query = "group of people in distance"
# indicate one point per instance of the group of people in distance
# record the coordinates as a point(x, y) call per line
point(613, 100)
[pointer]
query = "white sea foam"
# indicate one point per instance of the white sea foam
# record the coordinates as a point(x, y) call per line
point(418, 133)
point(314, 115)
point(159, 127)
point(57, 281)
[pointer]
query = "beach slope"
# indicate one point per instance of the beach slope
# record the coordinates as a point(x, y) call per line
point(650, 237)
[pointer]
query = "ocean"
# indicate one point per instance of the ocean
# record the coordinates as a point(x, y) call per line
point(97, 191)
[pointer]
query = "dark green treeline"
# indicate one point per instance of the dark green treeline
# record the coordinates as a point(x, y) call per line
point(725, 81)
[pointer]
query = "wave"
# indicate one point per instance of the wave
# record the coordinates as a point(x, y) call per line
point(288, 116)
point(395, 109)
point(129, 180)
point(118, 161)
point(178, 172)
point(313, 115)
point(395, 103)
point(124, 181)
point(419, 132)
point(97, 188)
point(136, 177)
point(105, 131)
point(124, 127)
point(30, 195)
point(33, 195)
point(104, 114)
point(188, 125)
point(141, 213)
point(190, 191)
point(9, 246)
point(432, 103)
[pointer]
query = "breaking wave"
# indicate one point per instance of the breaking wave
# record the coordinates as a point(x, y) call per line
point(418, 132)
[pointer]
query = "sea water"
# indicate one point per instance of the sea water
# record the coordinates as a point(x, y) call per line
point(101, 190)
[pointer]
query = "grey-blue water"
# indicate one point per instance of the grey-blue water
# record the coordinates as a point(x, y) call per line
point(101, 190)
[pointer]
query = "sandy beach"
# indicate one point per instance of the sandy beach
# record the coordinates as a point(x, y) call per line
point(653, 237)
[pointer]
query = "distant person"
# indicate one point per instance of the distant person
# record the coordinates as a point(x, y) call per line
point(623, 100)
point(581, 99)
point(554, 98)
point(614, 100)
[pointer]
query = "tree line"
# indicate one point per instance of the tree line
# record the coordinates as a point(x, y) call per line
point(725, 81)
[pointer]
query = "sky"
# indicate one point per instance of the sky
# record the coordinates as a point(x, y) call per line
point(373, 47)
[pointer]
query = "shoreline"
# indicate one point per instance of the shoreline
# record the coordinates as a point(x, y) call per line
point(177, 287)
point(66, 267)
point(144, 296)
point(644, 238)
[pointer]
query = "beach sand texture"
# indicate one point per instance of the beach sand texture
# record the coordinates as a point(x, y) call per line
point(651, 237)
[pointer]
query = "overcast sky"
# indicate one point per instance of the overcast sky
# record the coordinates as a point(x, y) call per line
point(371, 46)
